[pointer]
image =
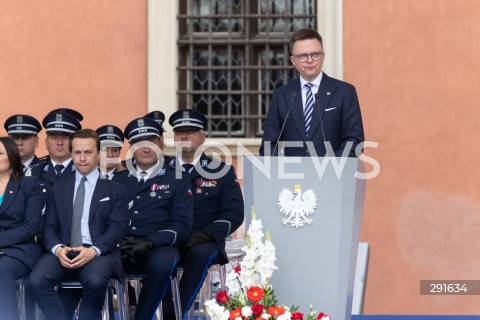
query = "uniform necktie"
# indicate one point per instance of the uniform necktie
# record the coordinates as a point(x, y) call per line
point(141, 182)
point(58, 169)
point(76, 229)
point(24, 168)
point(308, 107)
point(187, 167)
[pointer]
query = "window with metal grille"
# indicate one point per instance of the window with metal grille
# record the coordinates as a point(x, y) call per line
point(233, 54)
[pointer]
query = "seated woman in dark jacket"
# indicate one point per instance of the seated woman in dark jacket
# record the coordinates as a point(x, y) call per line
point(21, 204)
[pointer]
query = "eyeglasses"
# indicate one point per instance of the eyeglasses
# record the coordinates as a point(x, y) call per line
point(303, 57)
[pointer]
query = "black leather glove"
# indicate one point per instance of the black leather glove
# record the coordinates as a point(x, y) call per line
point(139, 247)
point(197, 237)
point(126, 250)
point(134, 248)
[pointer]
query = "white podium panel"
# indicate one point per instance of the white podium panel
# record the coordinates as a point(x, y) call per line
point(316, 262)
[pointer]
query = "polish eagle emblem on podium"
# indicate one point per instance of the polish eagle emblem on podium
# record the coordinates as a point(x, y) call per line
point(297, 206)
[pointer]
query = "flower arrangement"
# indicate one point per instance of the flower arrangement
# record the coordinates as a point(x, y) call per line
point(249, 296)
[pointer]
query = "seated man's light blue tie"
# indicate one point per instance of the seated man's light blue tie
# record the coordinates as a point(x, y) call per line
point(76, 229)
point(309, 104)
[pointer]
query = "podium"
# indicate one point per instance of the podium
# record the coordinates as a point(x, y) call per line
point(316, 262)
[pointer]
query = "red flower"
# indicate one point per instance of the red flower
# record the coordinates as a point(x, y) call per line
point(321, 315)
point(235, 313)
point(257, 309)
point(222, 297)
point(255, 294)
point(275, 311)
point(237, 269)
point(297, 315)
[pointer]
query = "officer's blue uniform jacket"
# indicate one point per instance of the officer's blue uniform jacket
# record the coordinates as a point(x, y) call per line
point(161, 209)
point(47, 175)
point(217, 201)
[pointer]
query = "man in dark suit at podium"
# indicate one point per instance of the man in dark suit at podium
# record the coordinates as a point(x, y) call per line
point(314, 110)
point(85, 219)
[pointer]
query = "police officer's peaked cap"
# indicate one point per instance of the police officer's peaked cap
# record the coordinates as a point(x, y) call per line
point(143, 128)
point(22, 124)
point(187, 120)
point(74, 113)
point(158, 116)
point(111, 135)
point(60, 123)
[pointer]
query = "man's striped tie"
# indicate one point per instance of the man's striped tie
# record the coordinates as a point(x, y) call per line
point(308, 107)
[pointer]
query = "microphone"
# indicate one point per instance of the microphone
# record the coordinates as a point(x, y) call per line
point(321, 122)
point(294, 94)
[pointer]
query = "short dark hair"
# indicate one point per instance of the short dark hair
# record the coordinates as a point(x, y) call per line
point(84, 134)
point(13, 157)
point(304, 34)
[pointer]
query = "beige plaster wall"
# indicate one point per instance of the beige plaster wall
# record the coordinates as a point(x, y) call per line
point(416, 67)
point(85, 54)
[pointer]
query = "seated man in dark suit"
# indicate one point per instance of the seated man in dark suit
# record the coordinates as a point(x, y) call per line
point(85, 219)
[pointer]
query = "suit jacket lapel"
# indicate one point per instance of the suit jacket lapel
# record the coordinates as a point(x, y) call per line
point(325, 93)
point(98, 193)
point(10, 192)
point(132, 182)
point(50, 174)
point(68, 193)
point(34, 161)
point(297, 108)
point(150, 181)
point(202, 162)
point(67, 172)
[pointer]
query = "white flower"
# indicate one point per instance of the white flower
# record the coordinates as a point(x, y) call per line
point(256, 267)
point(216, 311)
point(233, 287)
point(247, 311)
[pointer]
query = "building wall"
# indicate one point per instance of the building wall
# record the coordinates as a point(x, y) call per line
point(415, 65)
point(84, 54)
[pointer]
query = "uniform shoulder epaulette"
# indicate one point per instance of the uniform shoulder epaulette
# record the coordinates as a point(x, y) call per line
point(44, 158)
point(123, 169)
point(218, 160)
point(121, 173)
point(41, 161)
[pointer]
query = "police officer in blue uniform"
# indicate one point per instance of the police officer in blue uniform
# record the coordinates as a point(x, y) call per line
point(24, 129)
point(58, 166)
point(161, 209)
point(217, 205)
point(111, 143)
